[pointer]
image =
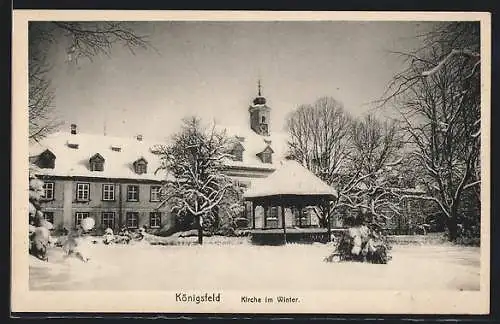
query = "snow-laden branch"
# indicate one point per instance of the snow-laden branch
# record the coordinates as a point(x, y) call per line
point(447, 58)
point(472, 184)
point(473, 71)
point(195, 160)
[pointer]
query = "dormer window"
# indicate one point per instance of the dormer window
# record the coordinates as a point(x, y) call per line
point(96, 162)
point(72, 142)
point(266, 155)
point(116, 148)
point(46, 160)
point(237, 152)
point(266, 158)
point(141, 166)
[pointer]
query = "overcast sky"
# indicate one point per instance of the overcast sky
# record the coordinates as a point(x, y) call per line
point(211, 69)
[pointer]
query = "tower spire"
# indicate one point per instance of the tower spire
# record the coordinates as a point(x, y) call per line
point(259, 113)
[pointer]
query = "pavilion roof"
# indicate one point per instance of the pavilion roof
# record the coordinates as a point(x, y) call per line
point(290, 179)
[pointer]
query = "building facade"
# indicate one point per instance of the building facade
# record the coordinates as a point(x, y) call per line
point(115, 180)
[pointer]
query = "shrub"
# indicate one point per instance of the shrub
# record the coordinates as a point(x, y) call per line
point(362, 244)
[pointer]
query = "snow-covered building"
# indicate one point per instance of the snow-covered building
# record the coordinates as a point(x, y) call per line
point(114, 179)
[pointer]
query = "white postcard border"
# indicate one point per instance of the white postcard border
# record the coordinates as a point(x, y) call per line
point(341, 301)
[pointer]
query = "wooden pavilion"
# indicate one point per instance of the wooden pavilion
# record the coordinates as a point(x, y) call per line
point(290, 186)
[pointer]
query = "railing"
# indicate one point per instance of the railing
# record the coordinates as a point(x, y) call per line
point(293, 235)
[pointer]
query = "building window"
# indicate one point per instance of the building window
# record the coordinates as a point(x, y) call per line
point(266, 155)
point(266, 158)
point(263, 129)
point(273, 213)
point(237, 152)
point(82, 191)
point(49, 217)
point(97, 166)
point(237, 155)
point(141, 166)
point(79, 216)
point(302, 217)
point(132, 220)
point(155, 193)
point(96, 162)
point(48, 191)
point(108, 192)
point(133, 193)
point(46, 160)
point(155, 220)
point(108, 220)
point(247, 213)
point(302, 221)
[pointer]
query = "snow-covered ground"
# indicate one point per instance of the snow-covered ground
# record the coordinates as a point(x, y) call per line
point(142, 266)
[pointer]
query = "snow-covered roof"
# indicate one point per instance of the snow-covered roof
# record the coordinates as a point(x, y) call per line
point(254, 143)
point(73, 160)
point(291, 178)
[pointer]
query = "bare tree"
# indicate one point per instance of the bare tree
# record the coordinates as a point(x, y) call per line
point(352, 156)
point(319, 135)
point(319, 139)
point(438, 97)
point(371, 183)
point(86, 40)
point(195, 160)
point(369, 188)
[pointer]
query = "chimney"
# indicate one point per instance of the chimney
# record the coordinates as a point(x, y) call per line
point(73, 129)
point(139, 137)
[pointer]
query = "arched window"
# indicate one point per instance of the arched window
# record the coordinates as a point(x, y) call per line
point(141, 166)
point(96, 162)
point(266, 155)
point(46, 160)
point(237, 152)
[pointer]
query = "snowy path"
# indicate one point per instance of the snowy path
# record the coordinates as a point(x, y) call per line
point(294, 267)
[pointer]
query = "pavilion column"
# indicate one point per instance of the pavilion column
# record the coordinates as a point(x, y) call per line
point(328, 212)
point(300, 217)
point(301, 209)
point(283, 222)
point(253, 214)
point(265, 207)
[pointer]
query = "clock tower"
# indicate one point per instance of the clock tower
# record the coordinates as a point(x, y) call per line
point(260, 114)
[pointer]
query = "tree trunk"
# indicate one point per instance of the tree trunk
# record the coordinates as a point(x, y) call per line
point(200, 230)
point(322, 217)
point(452, 227)
point(328, 220)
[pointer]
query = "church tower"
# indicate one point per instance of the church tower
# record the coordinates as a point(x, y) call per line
point(260, 114)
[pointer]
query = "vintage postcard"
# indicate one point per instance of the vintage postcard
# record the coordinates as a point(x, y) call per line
point(251, 162)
